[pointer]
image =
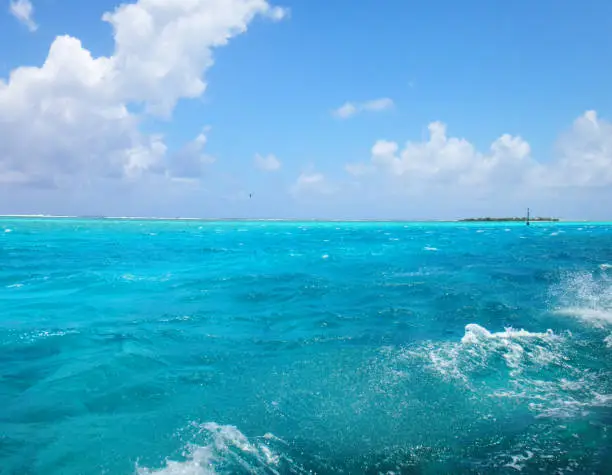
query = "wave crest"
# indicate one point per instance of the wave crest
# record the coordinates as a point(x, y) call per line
point(227, 451)
point(534, 369)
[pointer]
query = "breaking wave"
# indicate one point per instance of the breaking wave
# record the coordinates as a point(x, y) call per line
point(536, 370)
point(226, 450)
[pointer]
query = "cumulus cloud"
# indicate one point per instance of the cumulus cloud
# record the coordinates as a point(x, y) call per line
point(23, 10)
point(584, 155)
point(452, 168)
point(349, 109)
point(449, 159)
point(268, 163)
point(73, 117)
point(190, 161)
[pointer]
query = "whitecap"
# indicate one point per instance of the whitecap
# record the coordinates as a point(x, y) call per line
point(228, 449)
point(14, 286)
point(508, 343)
point(325, 256)
point(517, 460)
point(199, 462)
point(475, 333)
point(519, 360)
point(608, 340)
point(8, 230)
point(605, 266)
point(429, 248)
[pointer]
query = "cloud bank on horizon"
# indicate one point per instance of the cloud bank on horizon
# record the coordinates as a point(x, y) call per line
point(73, 133)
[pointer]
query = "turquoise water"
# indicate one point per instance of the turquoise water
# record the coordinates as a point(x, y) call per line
point(173, 347)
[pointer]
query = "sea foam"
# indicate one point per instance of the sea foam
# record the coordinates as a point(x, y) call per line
point(510, 364)
point(586, 296)
point(228, 451)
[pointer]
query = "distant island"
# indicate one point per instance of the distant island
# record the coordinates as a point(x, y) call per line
point(508, 219)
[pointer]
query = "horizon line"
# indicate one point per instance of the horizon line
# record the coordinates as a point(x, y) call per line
point(485, 219)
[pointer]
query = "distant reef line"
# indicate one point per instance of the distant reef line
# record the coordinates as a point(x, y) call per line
point(329, 220)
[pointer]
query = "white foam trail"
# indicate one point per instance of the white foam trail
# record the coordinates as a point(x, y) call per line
point(608, 340)
point(227, 448)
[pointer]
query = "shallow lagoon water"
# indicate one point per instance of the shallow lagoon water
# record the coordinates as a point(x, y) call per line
point(199, 347)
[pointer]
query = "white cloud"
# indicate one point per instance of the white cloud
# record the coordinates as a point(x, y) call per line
point(346, 110)
point(449, 160)
point(268, 163)
point(584, 155)
point(445, 159)
point(23, 10)
point(311, 183)
point(359, 169)
point(349, 109)
point(452, 169)
point(377, 105)
point(68, 120)
point(162, 47)
point(190, 161)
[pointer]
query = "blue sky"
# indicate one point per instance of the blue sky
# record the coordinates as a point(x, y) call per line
point(528, 69)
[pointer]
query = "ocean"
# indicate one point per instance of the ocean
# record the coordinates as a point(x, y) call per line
point(237, 347)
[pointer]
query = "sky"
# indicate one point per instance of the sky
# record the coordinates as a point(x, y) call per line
point(367, 109)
